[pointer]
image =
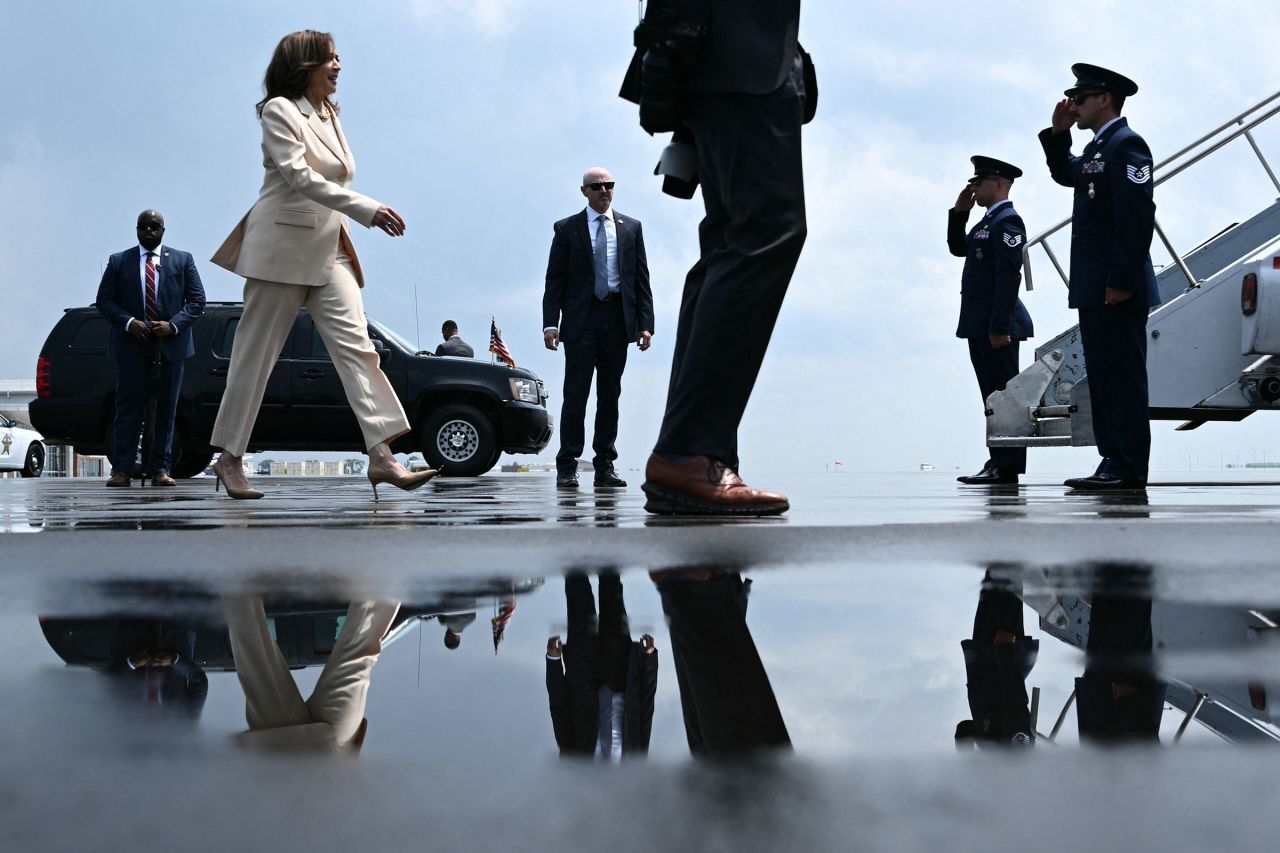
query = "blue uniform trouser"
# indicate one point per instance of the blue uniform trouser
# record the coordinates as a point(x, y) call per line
point(995, 367)
point(1115, 359)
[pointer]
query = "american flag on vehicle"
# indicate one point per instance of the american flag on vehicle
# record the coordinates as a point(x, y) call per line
point(496, 346)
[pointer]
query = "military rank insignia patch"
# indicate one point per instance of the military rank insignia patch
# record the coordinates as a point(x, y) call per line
point(1138, 176)
point(1013, 240)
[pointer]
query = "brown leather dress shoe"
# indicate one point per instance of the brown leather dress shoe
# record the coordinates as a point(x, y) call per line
point(119, 480)
point(704, 486)
point(163, 479)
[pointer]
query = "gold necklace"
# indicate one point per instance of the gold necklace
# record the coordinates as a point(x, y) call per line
point(323, 111)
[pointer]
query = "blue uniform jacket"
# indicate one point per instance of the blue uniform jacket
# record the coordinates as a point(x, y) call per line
point(989, 303)
point(1113, 217)
point(179, 299)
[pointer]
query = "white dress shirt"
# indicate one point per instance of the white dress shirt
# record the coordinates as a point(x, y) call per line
point(611, 236)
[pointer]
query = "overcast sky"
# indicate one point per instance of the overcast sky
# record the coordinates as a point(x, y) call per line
point(476, 118)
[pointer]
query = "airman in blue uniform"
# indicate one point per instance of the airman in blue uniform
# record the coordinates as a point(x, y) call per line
point(992, 317)
point(1112, 284)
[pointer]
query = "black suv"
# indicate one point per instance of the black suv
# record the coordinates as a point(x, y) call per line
point(466, 411)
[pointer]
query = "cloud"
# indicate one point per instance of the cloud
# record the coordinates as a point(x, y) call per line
point(494, 17)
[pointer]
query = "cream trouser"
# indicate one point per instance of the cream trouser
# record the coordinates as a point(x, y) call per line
point(272, 698)
point(338, 311)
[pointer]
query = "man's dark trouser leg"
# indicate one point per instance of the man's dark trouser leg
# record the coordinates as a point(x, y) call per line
point(1115, 356)
point(131, 398)
point(753, 188)
point(611, 359)
point(170, 387)
point(615, 632)
point(994, 368)
point(728, 703)
point(581, 640)
point(579, 365)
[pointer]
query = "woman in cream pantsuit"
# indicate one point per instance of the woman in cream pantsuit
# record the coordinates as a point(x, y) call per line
point(294, 249)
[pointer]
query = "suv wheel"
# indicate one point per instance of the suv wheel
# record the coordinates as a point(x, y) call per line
point(190, 460)
point(34, 466)
point(460, 439)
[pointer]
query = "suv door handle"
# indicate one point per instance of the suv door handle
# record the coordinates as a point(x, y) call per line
point(312, 373)
point(217, 371)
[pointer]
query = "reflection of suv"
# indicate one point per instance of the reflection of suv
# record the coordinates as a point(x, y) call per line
point(466, 412)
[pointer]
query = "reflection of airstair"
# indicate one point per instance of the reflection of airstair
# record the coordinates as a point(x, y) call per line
point(1198, 367)
point(1228, 702)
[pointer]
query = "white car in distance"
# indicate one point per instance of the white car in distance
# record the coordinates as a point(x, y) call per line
point(21, 448)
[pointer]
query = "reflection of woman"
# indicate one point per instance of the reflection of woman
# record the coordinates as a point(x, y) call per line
point(295, 252)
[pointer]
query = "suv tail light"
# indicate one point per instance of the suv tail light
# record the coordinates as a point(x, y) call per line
point(1249, 294)
point(1257, 696)
point(44, 377)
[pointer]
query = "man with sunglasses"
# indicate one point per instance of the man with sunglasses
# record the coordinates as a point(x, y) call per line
point(1112, 284)
point(992, 318)
point(597, 302)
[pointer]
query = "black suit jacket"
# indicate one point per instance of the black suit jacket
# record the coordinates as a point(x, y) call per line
point(575, 706)
point(455, 346)
point(571, 277)
point(179, 299)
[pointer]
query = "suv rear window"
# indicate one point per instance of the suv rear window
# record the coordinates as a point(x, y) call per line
point(90, 335)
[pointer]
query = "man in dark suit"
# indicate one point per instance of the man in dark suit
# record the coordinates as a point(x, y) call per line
point(453, 343)
point(597, 302)
point(600, 684)
point(150, 294)
point(992, 317)
point(1112, 284)
point(748, 93)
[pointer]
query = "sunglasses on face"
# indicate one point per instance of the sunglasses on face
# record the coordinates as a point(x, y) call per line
point(596, 186)
point(1084, 96)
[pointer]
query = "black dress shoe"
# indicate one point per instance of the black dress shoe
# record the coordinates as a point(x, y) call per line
point(567, 480)
point(1104, 483)
point(609, 479)
point(990, 477)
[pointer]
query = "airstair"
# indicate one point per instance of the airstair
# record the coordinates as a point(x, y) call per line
point(1213, 351)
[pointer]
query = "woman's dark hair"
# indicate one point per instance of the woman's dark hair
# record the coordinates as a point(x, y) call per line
point(291, 65)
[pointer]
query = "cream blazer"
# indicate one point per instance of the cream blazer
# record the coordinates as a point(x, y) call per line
point(298, 225)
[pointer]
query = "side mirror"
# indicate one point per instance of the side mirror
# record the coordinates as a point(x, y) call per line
point(384, 352)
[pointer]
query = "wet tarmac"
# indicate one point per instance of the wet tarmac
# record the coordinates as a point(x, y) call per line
point(899, 663)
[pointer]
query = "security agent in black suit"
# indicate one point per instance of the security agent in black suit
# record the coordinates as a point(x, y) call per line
point(453, 342)
point(728, 703)
point(745, 95)
point(600, 684)
point(597, 302)
point(147, 333)
point(1112, 284)
point(992, 317)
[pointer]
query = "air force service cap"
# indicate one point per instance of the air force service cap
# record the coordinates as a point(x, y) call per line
point(984, 167)
point(1093, 78)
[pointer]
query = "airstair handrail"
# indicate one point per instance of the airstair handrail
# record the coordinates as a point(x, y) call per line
point(1242, 129)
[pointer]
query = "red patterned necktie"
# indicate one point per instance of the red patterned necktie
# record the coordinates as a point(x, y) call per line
point(152, 313)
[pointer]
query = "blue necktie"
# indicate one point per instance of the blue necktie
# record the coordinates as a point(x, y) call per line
point(602, 259)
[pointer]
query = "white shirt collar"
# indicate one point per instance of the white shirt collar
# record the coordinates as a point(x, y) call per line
point(592, 215)
point(142, 250)
point(1106, 127)
point(993, 208)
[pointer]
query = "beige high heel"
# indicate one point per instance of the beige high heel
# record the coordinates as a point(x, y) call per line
point(403, 479)
point(242, 494)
